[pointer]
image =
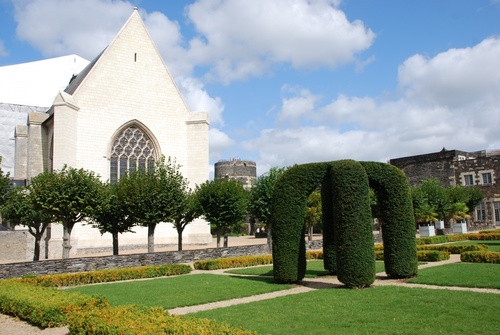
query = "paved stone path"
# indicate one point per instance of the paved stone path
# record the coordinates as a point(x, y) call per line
point(10, 325)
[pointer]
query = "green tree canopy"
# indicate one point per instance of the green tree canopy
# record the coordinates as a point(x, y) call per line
point(153, 196)
point(4, 184)
point(185, 214)
point(261, 196)
point(313, 212)
point(69, 195)
point(19, 210)
point(113, 217)
point(223, 202)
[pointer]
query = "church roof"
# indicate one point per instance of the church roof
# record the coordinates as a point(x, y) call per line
point(76, 80)
point(37, 83)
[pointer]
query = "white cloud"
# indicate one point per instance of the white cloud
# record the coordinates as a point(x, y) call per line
point(243, 38)
point(451, 100)
point(455, 78)
point(61, 27)
point(198, 99)
point(219, 141)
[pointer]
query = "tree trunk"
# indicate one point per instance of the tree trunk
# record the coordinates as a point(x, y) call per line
point(151, 237)
point(115, 243)
point(226, 237)
point(67, 228)
point(179, 239)
point(36, 251)
point(310, 233)
point(269, 237)
point(48, 235)
point(218, 237)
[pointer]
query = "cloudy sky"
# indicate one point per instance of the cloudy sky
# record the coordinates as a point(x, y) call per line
point(296, 81)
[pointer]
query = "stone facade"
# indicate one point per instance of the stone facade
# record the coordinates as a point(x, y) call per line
point(454, 167)
point(243, 171)
point(126, 87)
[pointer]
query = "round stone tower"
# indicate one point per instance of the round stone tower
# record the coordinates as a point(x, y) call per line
point(243, 171)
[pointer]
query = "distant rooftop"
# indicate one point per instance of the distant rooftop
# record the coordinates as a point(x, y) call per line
point(37, 83)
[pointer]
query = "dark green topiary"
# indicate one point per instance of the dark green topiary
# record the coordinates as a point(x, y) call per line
point(396, 217)
point(288, 212)
point(352, 224)
point(394, 202)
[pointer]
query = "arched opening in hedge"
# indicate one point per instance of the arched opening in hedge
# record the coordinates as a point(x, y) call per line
point(347, 230)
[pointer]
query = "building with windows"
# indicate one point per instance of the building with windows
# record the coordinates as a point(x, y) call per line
point(455, 167)
point(122, 112)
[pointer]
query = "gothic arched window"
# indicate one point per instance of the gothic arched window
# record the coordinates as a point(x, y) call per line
point(132, 149)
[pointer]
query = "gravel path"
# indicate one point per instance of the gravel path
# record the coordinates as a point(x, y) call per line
point(10, 325)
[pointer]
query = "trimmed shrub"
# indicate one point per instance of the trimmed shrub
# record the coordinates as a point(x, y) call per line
point(329, 258)
point(314, 254)
point(135, 320)
point(490, 231)
point(43, 306)
point(233, 262)
point(422, 255)
point(453, 249)
point(288, 207)
point(104, 276)
point(441, 239)
point(352, 224)
point(483, 237)
point(480, 257)
point(396, 217)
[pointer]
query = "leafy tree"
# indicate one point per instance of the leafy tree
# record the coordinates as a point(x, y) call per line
point(19, 210)
point(261, 195)
point(186, 213)
point(223, 202)
point(426, 214)
point(153, 196)
point(113, 217)
point(4, 184)
point(313, 212)
point(431, 192)
point(70, 196)
point(458, 211)
point(470, 196)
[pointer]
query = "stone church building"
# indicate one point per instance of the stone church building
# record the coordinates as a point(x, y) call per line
point(122, 112)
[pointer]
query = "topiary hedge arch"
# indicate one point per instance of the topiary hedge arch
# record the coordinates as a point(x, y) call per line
point(347, 227)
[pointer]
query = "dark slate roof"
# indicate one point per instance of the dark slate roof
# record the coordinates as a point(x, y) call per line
point(75, 81)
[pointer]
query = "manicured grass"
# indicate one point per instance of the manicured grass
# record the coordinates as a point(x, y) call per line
point(314, 269)
point(483, 275)
point(492, 245)
point(183, 290)
point(380, 310)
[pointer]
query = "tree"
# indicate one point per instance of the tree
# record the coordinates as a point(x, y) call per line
point(313, 212)
point(152, 196)
point(470, 196)
point(4, 186)
point(19, 210)
point(223, 202)
point(186, 213)
point(261, 195)
point(113, 217)
point(431, 192)
point(70, 196)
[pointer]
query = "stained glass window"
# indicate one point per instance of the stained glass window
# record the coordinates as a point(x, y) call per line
point(132, 149)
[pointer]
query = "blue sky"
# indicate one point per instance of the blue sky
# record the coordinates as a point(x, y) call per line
point(294, 81)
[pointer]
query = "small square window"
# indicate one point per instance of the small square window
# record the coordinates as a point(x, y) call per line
point(468, 180)
point(487, 180)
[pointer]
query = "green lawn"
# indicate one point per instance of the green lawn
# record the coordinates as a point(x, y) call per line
point(461, 274)
point(379, 310)
point(314, 269)
point(181, 291)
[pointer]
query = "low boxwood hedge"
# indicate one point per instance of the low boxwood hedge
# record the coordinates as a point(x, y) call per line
point(43, 306)
point(453, 249)
point(480, 257)
point(134, 320)
point(103, 276)
point(422, 255)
